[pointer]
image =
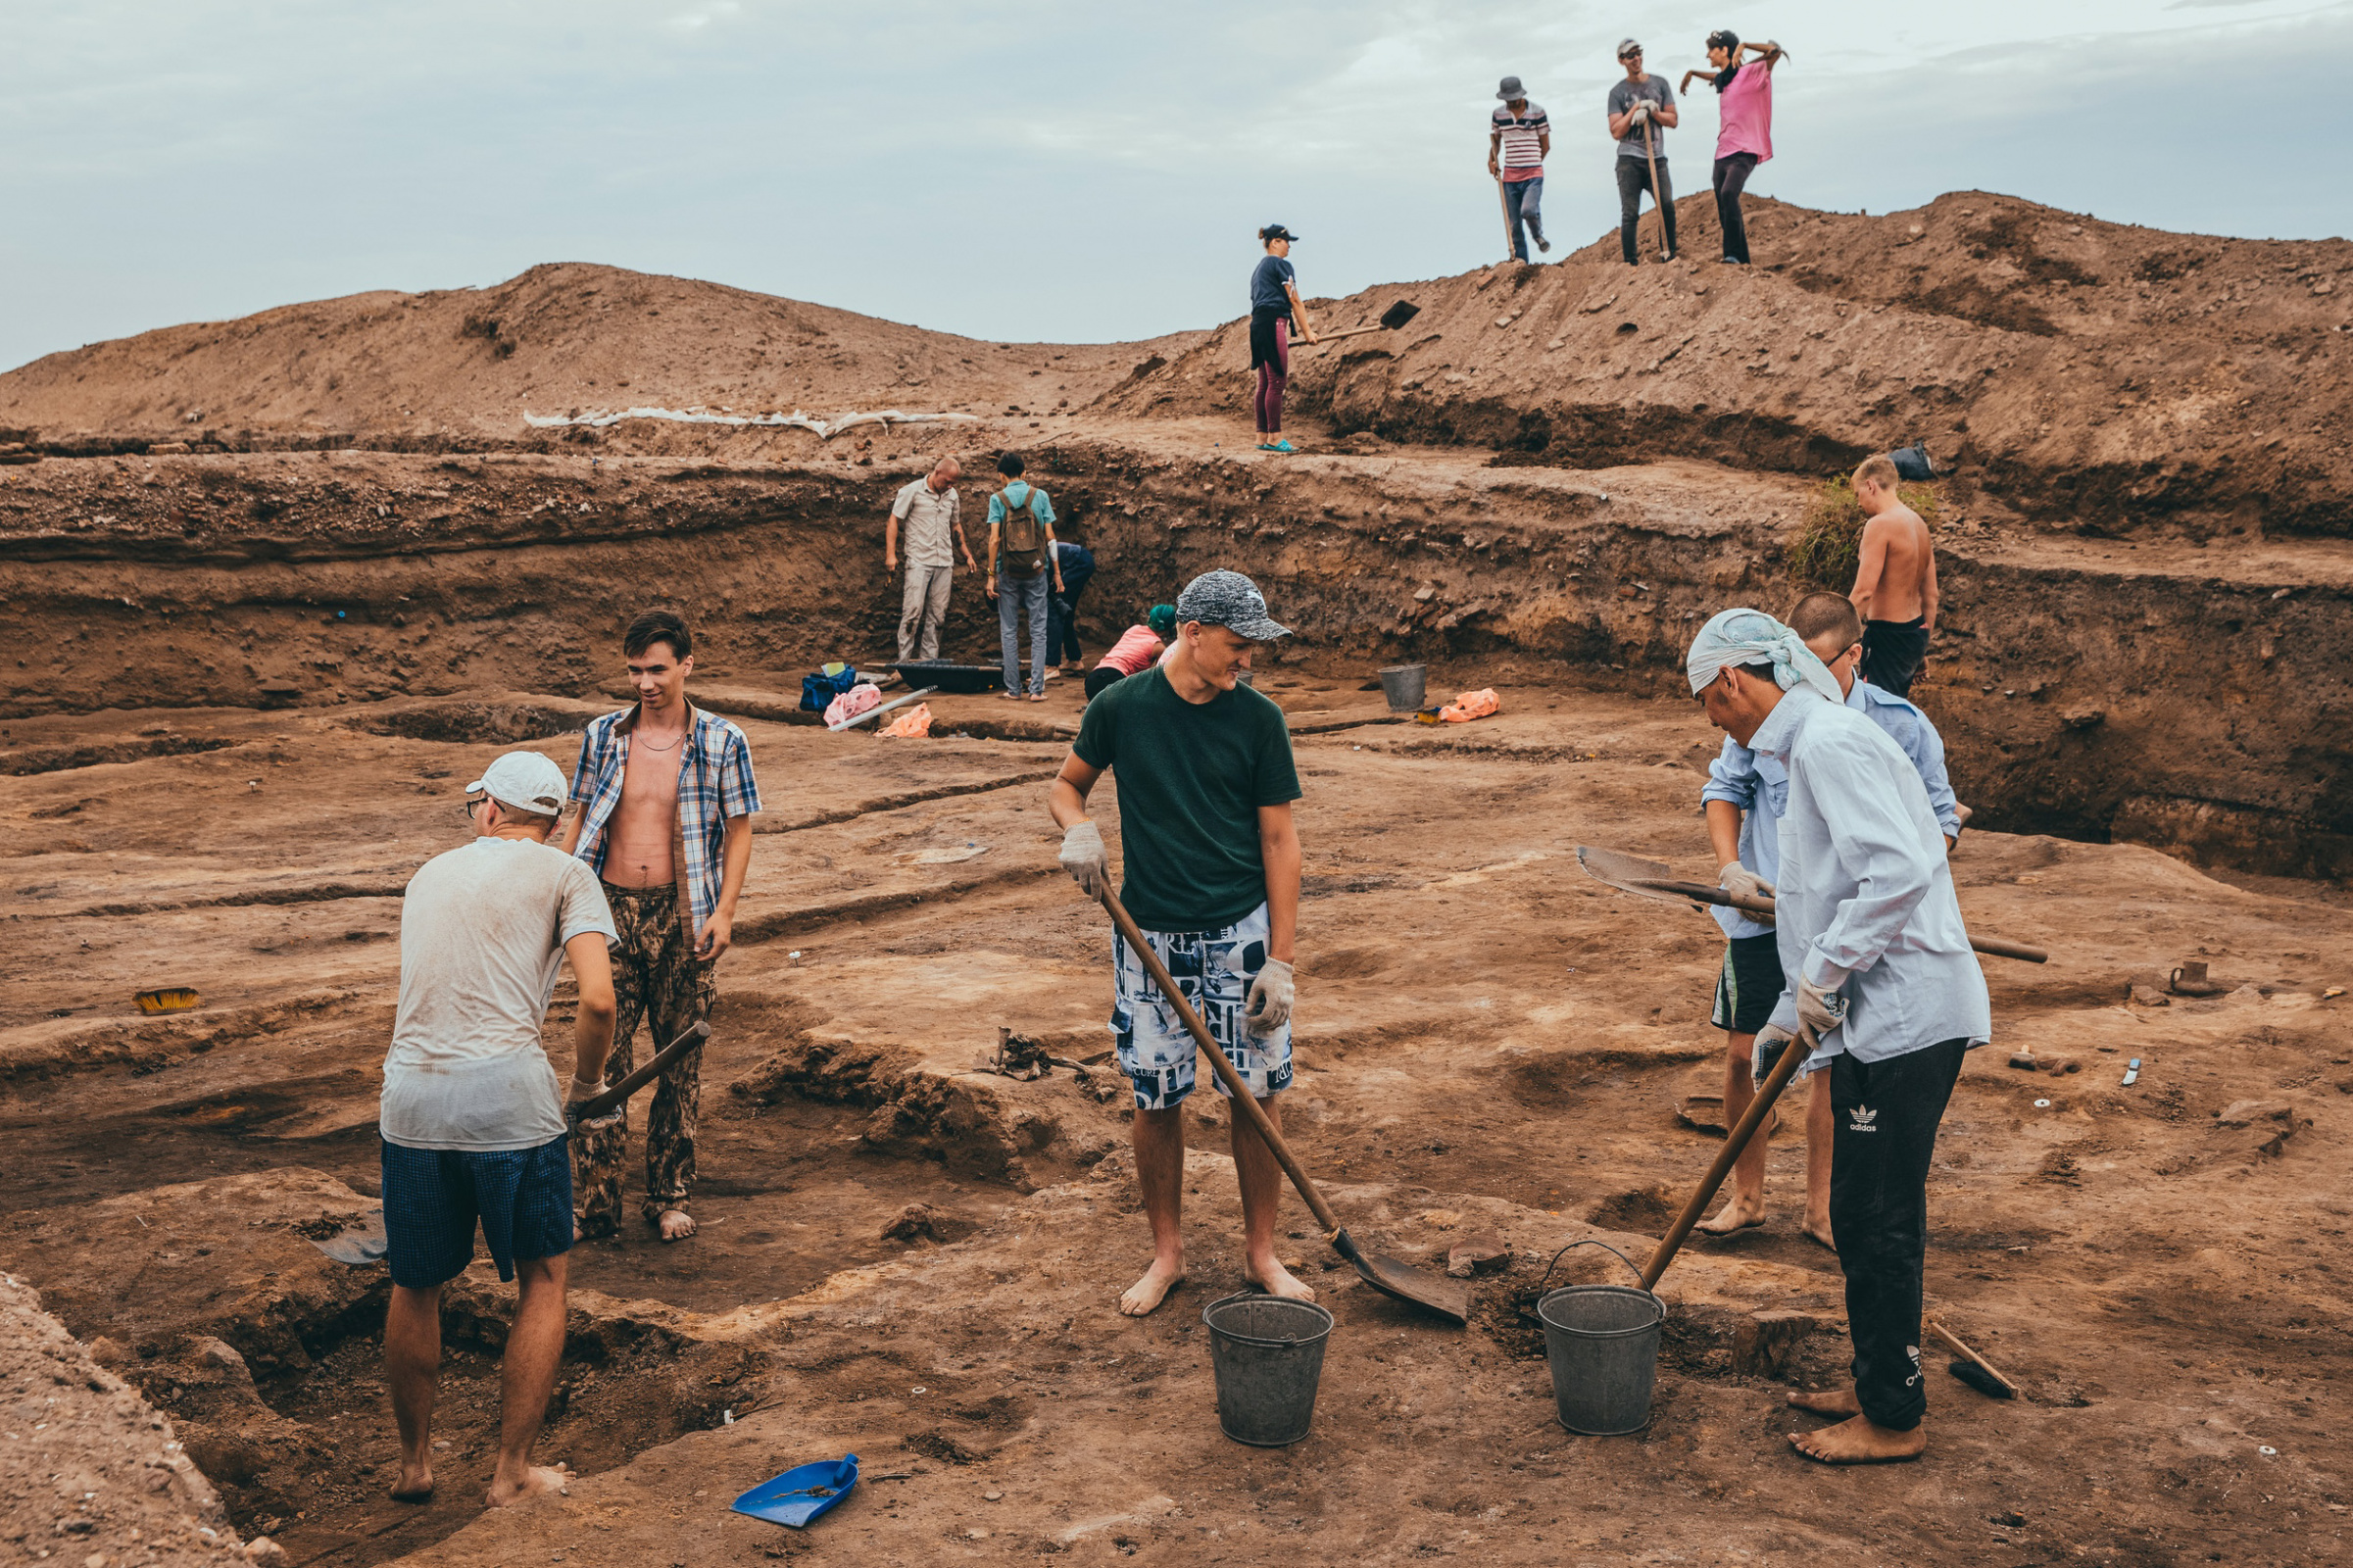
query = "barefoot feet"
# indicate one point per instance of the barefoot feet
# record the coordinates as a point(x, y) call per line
point(528, 1481)
point(675, 1224)
point(1144, 1296)
point(1838, 1401)
point(1855, 1441)
point(1274, 1279)
point(1818, 1230)
point(1739, 1214)
point(415, 1483)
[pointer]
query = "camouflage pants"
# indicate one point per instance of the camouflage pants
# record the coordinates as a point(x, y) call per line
point(656, 978)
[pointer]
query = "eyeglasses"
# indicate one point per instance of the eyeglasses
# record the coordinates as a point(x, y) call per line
point(469, 803)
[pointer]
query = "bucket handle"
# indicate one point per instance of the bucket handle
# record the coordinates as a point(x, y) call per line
point(1587, 1241)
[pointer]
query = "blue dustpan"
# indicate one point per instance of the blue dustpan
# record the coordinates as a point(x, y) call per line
point(802, 1493)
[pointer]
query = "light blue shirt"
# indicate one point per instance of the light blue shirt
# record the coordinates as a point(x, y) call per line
point(1760, 787)
point(1865, 903)
point(1021, 490)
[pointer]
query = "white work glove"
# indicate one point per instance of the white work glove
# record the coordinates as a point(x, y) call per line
point(1269, 1007)
point(1771, 1042)
point(1084, 857)
point(1743, 883)
point(578, 1094)
point(1820, 1007)
point(1639, 113)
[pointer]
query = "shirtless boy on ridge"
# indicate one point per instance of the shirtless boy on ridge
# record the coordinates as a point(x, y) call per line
point(1894, 583)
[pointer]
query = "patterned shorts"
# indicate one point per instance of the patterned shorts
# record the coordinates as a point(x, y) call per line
point(1214, 971)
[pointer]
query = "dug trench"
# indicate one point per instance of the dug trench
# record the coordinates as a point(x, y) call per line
point(912, 1259)
point(2152, 690)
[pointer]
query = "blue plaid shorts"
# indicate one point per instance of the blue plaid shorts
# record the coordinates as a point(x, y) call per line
point(433, 1199)
point(1214, 971)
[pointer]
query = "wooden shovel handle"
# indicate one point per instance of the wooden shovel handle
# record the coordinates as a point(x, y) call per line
point(1701, 893)
point(1245, 1105)
point(1735, 1142)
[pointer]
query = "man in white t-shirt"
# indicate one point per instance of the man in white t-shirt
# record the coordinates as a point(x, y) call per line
point(472, 1123)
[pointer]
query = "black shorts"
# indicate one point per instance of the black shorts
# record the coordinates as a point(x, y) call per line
point(1265, 347)
point(1102, 677)
point(1893, 651)
point(1750, 985)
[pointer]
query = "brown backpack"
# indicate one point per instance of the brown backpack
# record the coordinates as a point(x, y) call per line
point(1021, 545)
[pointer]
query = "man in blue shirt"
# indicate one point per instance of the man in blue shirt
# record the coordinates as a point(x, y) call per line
point(1881, 984)
point(1744, 797)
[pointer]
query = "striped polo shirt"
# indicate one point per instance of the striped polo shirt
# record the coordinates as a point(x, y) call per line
point(1523, 154)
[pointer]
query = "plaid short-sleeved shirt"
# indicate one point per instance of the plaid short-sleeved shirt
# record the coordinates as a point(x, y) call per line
point(715, 783)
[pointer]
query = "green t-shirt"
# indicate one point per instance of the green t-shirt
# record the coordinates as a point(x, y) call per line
point(1192, 777)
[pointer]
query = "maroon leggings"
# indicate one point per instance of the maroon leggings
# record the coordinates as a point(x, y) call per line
point(1273, 374)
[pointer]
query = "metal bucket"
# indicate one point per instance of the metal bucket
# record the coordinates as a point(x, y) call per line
point(1268, 1355)
point(1601, 1341)
point(1403, 685)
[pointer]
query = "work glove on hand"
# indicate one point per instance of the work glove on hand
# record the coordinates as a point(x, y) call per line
point(1084, 857)
point(1640, 111)
point(1743, 883)
point(1820, 1007)
point(1270, 1006)
point(578, 1094)
point(1771, 1042)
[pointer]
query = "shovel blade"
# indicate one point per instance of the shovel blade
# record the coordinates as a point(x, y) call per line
point(1626, 872)
point(1400, 314)
point(1449, 1299)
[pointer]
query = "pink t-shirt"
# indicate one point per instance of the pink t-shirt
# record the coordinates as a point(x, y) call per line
point(1746, 107)
point(1135, 651)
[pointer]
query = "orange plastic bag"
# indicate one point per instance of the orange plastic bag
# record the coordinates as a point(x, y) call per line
point(911, 725)
point(1471, 704)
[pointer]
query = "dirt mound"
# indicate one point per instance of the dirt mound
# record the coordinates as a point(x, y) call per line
point(2092, 375)
point(557, 340)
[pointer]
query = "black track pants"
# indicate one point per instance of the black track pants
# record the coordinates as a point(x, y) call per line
point(1884, 1132)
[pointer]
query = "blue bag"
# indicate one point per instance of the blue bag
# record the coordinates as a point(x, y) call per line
point(818, 691)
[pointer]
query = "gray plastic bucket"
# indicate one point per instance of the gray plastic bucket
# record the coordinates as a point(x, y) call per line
point(1403, 685)
point(1268, 1355)
point(1602, 1344)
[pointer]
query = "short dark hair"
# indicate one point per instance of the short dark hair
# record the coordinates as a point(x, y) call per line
point(1763, 672)
point(1011, 465)
point(658, 626)
point(1723, 39)
point(1823, 615)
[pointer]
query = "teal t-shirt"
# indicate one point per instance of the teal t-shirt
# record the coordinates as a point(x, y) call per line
point(1192, 777)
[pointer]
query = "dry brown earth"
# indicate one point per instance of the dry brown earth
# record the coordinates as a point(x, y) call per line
point(253, 681)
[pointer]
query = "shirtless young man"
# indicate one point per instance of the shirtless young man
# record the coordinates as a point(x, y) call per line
point(1206, 786)
point(666, 797)
point(1895, 582)
point(1743, 801)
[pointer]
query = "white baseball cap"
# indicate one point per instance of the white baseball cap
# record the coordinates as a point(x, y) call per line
point(525, 781)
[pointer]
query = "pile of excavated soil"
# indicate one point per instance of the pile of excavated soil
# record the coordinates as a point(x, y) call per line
point(2088, 375)
point(560, 339)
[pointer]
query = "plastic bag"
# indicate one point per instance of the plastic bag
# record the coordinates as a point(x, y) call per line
point(911, 725)
point(828, 682)
point(852, 703)
point(1471, 704)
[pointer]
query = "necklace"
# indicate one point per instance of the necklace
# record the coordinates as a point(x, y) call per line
point(648, 743)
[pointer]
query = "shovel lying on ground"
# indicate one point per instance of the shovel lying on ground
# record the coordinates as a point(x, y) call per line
point(604, 1104)
point(1631, 873)
point(1394, 317)
point(1387, 1275)
point(1793, 1056)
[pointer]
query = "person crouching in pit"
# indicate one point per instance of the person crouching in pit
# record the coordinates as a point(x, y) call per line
point(1213, 861)
point(1879, 972)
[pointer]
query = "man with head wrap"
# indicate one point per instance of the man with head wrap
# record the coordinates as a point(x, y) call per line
point(1880, 974)
point(1744, 798)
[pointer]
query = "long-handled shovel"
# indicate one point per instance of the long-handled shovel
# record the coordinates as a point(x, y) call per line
point(1631, 873)
point(1394, 317)
point(1657, 199)
point(1511, 231)
point(1384, 1274)
point(603, 1104)
point(1793, 1056)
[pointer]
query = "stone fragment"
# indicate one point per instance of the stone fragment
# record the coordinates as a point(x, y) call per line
point(2150, 996)
point(1763, 1342)
point(1482, 1252)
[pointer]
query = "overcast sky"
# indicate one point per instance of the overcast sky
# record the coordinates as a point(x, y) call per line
point(1048, 171)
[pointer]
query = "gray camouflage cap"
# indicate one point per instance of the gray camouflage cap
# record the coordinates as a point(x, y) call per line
point(1230, 600)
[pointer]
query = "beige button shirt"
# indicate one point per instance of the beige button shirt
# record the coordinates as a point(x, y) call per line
point(928, 519)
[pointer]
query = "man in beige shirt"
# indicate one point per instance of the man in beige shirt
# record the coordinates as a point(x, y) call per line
point(934, 519)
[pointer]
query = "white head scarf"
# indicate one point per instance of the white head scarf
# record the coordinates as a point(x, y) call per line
point(1752, 637)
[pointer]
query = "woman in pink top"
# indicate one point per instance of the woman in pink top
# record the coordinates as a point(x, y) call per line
point(1136, 649)
point(1745, 137)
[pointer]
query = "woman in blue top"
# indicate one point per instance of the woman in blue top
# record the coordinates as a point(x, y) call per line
point(1274, 303)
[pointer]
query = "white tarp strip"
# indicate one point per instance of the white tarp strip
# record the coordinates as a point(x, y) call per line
point(825, 429)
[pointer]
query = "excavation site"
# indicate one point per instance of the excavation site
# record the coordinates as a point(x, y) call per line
point(279, 587)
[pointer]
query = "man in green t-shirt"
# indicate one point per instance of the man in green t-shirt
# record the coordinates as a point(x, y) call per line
point(1206, 786)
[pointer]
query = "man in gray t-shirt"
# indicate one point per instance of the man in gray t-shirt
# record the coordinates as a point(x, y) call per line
point(474, 1133)
point(1642, 110)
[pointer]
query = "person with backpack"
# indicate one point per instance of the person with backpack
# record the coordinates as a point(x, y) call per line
point(1021, 567)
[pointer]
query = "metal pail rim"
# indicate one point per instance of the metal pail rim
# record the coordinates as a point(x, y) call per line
point(1222, 1332)
point(1657, 1306)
